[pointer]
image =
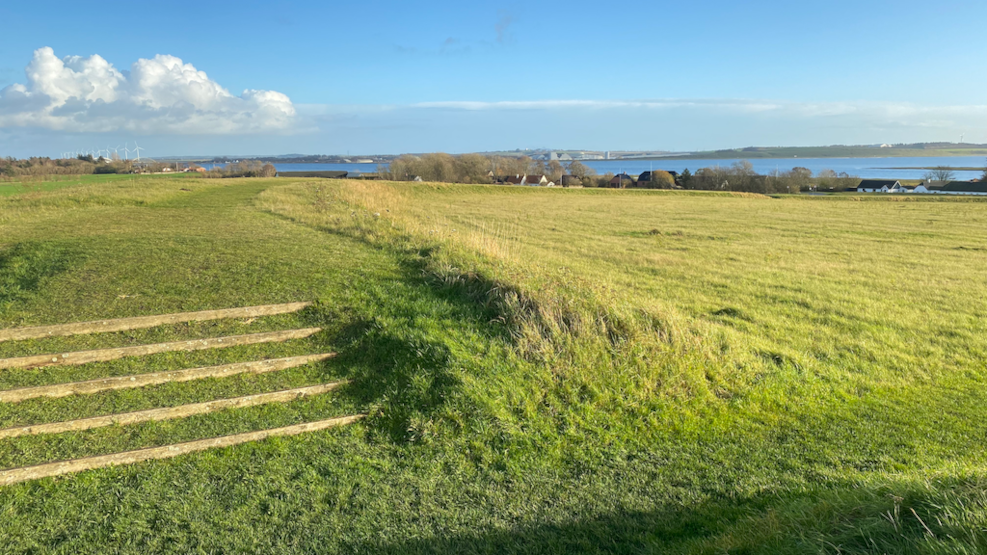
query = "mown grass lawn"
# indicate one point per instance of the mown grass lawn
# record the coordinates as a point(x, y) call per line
point(545, 371)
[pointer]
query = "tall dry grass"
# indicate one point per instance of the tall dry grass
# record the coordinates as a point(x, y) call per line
point(576, 327)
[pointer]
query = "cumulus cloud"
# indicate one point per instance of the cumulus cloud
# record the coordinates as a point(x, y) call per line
point(162, 95)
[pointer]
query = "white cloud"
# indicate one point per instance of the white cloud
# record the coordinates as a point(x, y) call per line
point(162, 95)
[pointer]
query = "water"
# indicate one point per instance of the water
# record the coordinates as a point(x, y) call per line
point(867, 168)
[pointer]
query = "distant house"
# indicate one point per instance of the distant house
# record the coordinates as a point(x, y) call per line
point(564, 157)
point(530, 180)
point(644, 180)
point(921, 188)
point(878, 186)
point(965, 188)
point(620, 181)
point(537, 181)
point(646, 176)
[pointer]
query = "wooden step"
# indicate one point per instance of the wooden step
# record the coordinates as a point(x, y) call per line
point(168, 413)
point(142, 380)
point(102, 355)
point(13, 476)
point(140, 322)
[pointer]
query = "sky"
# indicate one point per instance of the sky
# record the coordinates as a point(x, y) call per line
point(387, 77)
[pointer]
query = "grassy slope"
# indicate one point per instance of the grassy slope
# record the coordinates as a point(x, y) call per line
point(565, 371)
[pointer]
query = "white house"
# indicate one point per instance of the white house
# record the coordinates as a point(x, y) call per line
point(921, 188)
point(536, 181)
point(879, 186)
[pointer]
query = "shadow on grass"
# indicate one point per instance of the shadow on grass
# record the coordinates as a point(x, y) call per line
point(404, 378)
point(24, 266)
point(404, 382)
point(896, 518)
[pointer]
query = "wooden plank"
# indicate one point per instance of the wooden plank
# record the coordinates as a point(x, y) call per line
point(168, 413)
point(102, 355)
point(13, 476)
point(140, 322)
point(143, 380)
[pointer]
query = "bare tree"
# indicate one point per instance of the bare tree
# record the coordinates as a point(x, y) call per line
point(845, 181)
point(473, 168)
point(579, 169)
point(555, 170)
point(826, 179)
point(798, 179)
point(940, 174)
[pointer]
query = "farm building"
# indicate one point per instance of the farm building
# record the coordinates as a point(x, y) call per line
point(326, 174)
point(879, 186)
point(921, 188)
point(965, 188)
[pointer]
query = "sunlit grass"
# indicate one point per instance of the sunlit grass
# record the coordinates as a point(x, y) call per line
point(545, 371)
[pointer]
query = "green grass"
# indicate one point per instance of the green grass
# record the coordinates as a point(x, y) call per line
point(37, 184)
point(545, 371)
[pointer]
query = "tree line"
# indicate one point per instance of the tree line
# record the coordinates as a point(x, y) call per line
point(741, 177)
point(477, 168)
point(39, 167)
point(244, 168)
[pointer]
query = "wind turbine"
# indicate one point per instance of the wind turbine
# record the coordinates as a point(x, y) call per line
point(138, 150)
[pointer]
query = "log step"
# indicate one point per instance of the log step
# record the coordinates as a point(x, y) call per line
point(140, 322)
point(142, 380)
point(13, 476)
point(102, 355)
point(168, 413)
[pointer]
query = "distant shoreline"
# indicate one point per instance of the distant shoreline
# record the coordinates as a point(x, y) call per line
point(735, 155)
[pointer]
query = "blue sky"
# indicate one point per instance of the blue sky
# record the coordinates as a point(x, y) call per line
point(387, 77)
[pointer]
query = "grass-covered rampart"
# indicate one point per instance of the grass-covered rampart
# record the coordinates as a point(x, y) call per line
point(545, 371)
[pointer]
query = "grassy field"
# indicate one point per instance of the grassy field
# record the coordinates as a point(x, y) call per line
point(39, 184)
point(546, 371)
